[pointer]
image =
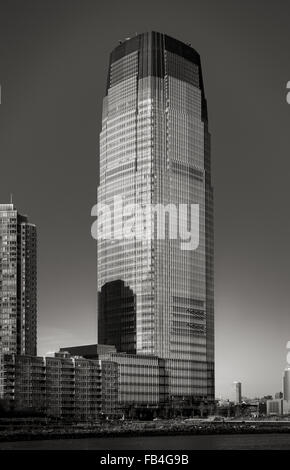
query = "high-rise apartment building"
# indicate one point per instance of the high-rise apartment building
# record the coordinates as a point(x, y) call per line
point(18, 289)
point(238, 393)
point(155, 297)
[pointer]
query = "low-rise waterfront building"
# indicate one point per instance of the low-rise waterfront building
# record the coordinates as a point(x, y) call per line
point(278, 407)
point(142, 379)
point(64, 386)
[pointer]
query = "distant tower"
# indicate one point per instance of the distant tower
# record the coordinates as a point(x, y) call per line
point(238, 387)
point(18, 303)
point(286, 384)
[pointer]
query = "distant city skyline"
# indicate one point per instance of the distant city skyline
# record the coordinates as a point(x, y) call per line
point(53, 57)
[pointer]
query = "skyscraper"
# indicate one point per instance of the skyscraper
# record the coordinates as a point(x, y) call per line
point(155, 149)
point(18, 302)
point(238, 392)
point(286, 384)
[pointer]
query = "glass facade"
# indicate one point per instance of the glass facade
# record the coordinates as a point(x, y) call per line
point(155, 149)
point(118, 316)
point(18, 279)
point(138, 380)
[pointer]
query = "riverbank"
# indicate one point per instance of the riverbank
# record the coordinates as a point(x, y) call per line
point(26, 432)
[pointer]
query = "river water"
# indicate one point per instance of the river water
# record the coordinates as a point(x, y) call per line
point(227, 442)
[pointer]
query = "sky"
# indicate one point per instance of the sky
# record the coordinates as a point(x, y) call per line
point(53, 66)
